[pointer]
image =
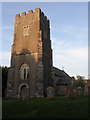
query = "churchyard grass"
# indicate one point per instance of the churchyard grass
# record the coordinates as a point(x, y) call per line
point(57, 107)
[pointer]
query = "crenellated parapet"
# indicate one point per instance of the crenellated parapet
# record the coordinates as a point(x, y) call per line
point(23, 13)
point(37, 10)
point(32, 13)
point(45, 20)
point(44, 16)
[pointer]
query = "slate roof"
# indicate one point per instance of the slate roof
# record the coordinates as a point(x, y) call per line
point(63, 77)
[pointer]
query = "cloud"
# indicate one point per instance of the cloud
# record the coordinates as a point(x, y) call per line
point(7, 27)
point(6, 55)
point(76, 31)
point(73, 59)
point(79, 53)
point(66, 28)
point(5, 58)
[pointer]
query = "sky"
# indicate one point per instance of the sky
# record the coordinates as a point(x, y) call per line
point(68, 33)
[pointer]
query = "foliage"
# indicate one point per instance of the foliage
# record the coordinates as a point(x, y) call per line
point(79, 84)
point(78, 77)
point(80, 81)
point(4, 79)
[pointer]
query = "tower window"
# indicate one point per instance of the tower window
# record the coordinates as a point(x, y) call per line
point(25, 30)
point(24, 72)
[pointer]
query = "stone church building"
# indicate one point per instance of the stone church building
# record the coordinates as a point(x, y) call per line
point(31, 70)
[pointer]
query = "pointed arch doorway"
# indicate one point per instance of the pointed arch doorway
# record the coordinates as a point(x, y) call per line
point(24, 91)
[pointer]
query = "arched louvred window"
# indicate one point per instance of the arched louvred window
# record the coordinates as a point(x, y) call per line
point(24, 71)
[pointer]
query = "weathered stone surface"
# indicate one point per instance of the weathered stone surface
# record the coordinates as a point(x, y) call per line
point(31, 47)
point(70, 92)
point(50, 91)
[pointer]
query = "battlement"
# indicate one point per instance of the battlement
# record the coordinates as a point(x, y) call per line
point(44, 16)
point(29, 12)
point(24, 13)
point(37, 10)
point(18, 15)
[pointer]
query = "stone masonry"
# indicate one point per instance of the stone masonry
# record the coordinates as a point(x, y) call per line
point(31, 58)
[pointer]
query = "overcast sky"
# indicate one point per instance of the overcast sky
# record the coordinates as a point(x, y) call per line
point(69, 33)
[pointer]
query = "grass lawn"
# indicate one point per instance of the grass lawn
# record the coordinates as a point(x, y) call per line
point(58, 107)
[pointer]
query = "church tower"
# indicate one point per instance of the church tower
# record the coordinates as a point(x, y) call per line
point(31, 58)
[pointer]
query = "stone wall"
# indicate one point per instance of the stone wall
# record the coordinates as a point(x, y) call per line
point(31, 46)
point(60, 90)
point(47, 51)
